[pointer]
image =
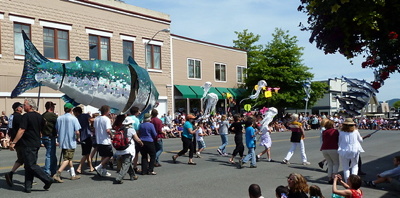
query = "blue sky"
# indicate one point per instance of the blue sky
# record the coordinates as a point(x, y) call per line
point(216, 21)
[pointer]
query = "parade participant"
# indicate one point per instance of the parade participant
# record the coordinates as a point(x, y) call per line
point(297, 139)
point(391, 176)
point(128, 154)
point(3, 130)
point(250, 143)
point(265, 131)
point(102, 129)
point(223, 132)
point(49, 135)
point(68, 128)
point(134, 111)
point(200, 139)
point(147, 135)
point(297, 185)
point(160, 136)
point(237, 128)
point(187, 143)
point(85, 138)
point(349, 147)
point(329, 147)
point(352, 186)
point(14, 122)
point(28, 139)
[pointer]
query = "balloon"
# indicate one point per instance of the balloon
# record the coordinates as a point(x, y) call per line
point(247, 107)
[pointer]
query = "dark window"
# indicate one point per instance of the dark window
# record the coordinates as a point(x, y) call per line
point(99, 48)
point(56, 43)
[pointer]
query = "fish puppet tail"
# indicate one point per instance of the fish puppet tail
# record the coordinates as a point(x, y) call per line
point(33, 58)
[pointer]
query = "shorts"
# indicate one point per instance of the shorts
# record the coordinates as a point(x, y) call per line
point(68, 154)
point(86, 146)
point(105, 150)
point(20, 156)
point(201, 144)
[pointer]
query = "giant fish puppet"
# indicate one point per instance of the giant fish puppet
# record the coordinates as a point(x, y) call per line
point(89, 82)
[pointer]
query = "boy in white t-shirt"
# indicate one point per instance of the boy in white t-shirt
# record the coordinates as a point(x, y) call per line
point(200, 140)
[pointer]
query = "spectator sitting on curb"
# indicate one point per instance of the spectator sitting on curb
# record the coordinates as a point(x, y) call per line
point(391, 176)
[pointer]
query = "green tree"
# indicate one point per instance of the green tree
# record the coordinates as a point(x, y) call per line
point(280, 64)
point(396, 104)
point(247, 41)
point(357, 27)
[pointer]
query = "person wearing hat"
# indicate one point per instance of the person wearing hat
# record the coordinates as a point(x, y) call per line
point(128, 154)
point(49, 135)
point(147, 135)
point(13, 124)
point(349, 147)
point(187, 140)
point(297, 139)
point(68, 128)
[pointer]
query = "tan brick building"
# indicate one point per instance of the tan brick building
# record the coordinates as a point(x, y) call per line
point(108, 30)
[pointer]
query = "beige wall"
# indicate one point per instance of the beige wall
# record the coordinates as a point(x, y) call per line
point(133, 21)
point(208, 54)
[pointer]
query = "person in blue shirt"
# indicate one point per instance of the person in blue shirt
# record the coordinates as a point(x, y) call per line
point(250, 143)
point(187, 140)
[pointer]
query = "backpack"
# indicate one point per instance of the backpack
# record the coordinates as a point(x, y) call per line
point(121, 141)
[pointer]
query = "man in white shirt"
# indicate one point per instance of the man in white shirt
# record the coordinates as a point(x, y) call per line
point(102, 130)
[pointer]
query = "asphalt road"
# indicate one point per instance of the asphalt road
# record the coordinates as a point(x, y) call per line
point(213, 176)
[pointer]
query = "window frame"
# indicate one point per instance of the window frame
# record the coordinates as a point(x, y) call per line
point(215, 72)
point(125, 59)
point(1, 18)
point(194, 69)
point(28, 34)
point(56, 44)
point(99, 37)
point(152, 56)
point(243, 72)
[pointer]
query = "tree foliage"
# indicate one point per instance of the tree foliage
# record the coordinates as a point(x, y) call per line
point(396, 104)
point(280, 64)
point(355, 27)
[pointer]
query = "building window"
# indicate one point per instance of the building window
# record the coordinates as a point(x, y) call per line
point(127, 50)
point(153, 56)
point(220, 72)
point(241, 74)
point(99, 48)
point(19, 47)
point(56, 43)
point(194, 68)
point(334, 97)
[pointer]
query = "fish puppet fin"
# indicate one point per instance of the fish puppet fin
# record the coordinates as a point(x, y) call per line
point(77, 58)
point(33, 58)
point(67, 99)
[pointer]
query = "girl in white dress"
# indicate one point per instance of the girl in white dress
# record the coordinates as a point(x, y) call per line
point(349, 147)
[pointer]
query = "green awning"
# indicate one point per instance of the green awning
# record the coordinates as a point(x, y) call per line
point(214, 90)
point(223, 90)
point(198, 90)
point(186, 91)
point(237, 92)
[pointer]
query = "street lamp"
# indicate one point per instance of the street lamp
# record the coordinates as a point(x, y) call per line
point(148, 42)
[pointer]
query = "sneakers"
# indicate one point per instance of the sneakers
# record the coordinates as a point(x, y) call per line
point(321, 165)
point(370, 184)
point(306, 163)
point(225, 154)
point(253, 166)
point(57, 177)
point(270, 160)
point(198, 155)
point(118, 182)
point(219, 151)
point(257, 158)
point(75, 177)
point(285, 162)
point(105, 173)
point(9, 179)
